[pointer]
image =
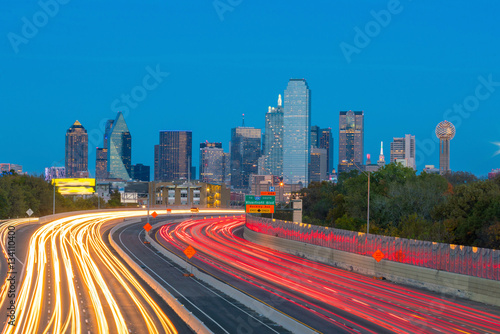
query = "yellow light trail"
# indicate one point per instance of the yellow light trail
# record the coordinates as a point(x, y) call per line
point(68, 249)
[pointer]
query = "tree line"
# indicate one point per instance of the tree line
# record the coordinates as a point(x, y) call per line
point(456, 208)
point(18, 193)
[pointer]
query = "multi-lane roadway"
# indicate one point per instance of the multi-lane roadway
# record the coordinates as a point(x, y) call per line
point(326, 298)
point(74, 283)
point(68, 279)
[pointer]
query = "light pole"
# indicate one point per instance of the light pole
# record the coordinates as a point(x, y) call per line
point(54, 198)
point(148, 206)
point(368, 206)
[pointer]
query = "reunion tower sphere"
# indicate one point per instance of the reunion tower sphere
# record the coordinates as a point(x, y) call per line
point(445, 130)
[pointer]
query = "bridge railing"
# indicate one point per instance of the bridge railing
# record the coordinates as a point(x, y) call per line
point(472, 261)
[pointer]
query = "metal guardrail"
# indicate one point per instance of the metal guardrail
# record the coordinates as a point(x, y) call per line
point(472, 261)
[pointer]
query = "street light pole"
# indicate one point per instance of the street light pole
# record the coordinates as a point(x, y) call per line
point(368, 210)
point(148, 206)
point(54, 199)
point(368, 206)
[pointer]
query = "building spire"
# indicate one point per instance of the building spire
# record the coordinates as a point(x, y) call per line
point(243, 123)
point(279, 100)
point(381, 158)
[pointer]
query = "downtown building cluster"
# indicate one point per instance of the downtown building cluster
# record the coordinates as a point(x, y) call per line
point(289, 154)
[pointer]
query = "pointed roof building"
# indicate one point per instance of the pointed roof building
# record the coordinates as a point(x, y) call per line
point(120, 150)
point(76, 154)
point(381, 158)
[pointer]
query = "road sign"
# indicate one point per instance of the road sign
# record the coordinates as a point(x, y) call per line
point(271, 188)
point(399, 256)
point(189, 251)
point(252, 208)
point(378, 255)
point(154, 214)
point(260, 200)
point(148, 227)
point(267, 193)
point(29, 212)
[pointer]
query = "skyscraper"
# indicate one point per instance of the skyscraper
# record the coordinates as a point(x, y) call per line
point(326, 141)
point(317, 168)
point(403, 150)
point(211, 163)
point(101, 163)
point(77, 151)
point(273, 139)
point(351, 132)
point(315, 136)
point(445, 131)
point(157, 163)
point(141, 172)
point(174, 155)
point(101, 155)
point(227, 169)
point(245, 153)
point(297, 132)
point(119, 150)
point(381, 157)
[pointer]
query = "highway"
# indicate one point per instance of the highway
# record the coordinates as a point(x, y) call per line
point(217, 311)
point(326, 298)
point(74, 283)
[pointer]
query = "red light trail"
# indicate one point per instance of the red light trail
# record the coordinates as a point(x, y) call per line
point(334, 294)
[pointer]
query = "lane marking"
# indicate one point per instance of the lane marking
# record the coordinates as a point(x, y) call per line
point(189, 301)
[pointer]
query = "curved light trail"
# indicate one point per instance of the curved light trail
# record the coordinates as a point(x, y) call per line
point(339, 296)
point(68, 253)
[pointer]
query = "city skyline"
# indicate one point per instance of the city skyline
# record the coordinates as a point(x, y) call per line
point(210, 72)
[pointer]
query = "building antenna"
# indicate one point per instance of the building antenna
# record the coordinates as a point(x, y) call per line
point(243, 124)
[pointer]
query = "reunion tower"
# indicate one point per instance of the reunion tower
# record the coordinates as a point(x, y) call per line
point(445, 131)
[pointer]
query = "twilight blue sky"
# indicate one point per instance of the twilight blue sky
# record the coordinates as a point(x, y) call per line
point(406, 72)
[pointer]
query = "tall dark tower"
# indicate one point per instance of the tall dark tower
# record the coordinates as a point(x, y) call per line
point(245, 153)
point(77, 151)
point(351, 131)
point(174, 155)
point(445, 131)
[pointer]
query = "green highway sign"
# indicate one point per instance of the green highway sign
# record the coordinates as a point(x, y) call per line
point(260, 200)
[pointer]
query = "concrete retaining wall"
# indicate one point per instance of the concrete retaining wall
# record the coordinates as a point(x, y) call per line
point(191, 320)
point(468, 287)
point(256, 305)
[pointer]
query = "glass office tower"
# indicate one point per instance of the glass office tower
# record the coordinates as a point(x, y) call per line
point(174, 156)
point(273, 140)
point(119, 150)
point(245, 153)
point(296, 132)
point(211, 163)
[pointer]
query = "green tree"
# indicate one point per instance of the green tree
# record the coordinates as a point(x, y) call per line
point(115, 200)
point(459, 177)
